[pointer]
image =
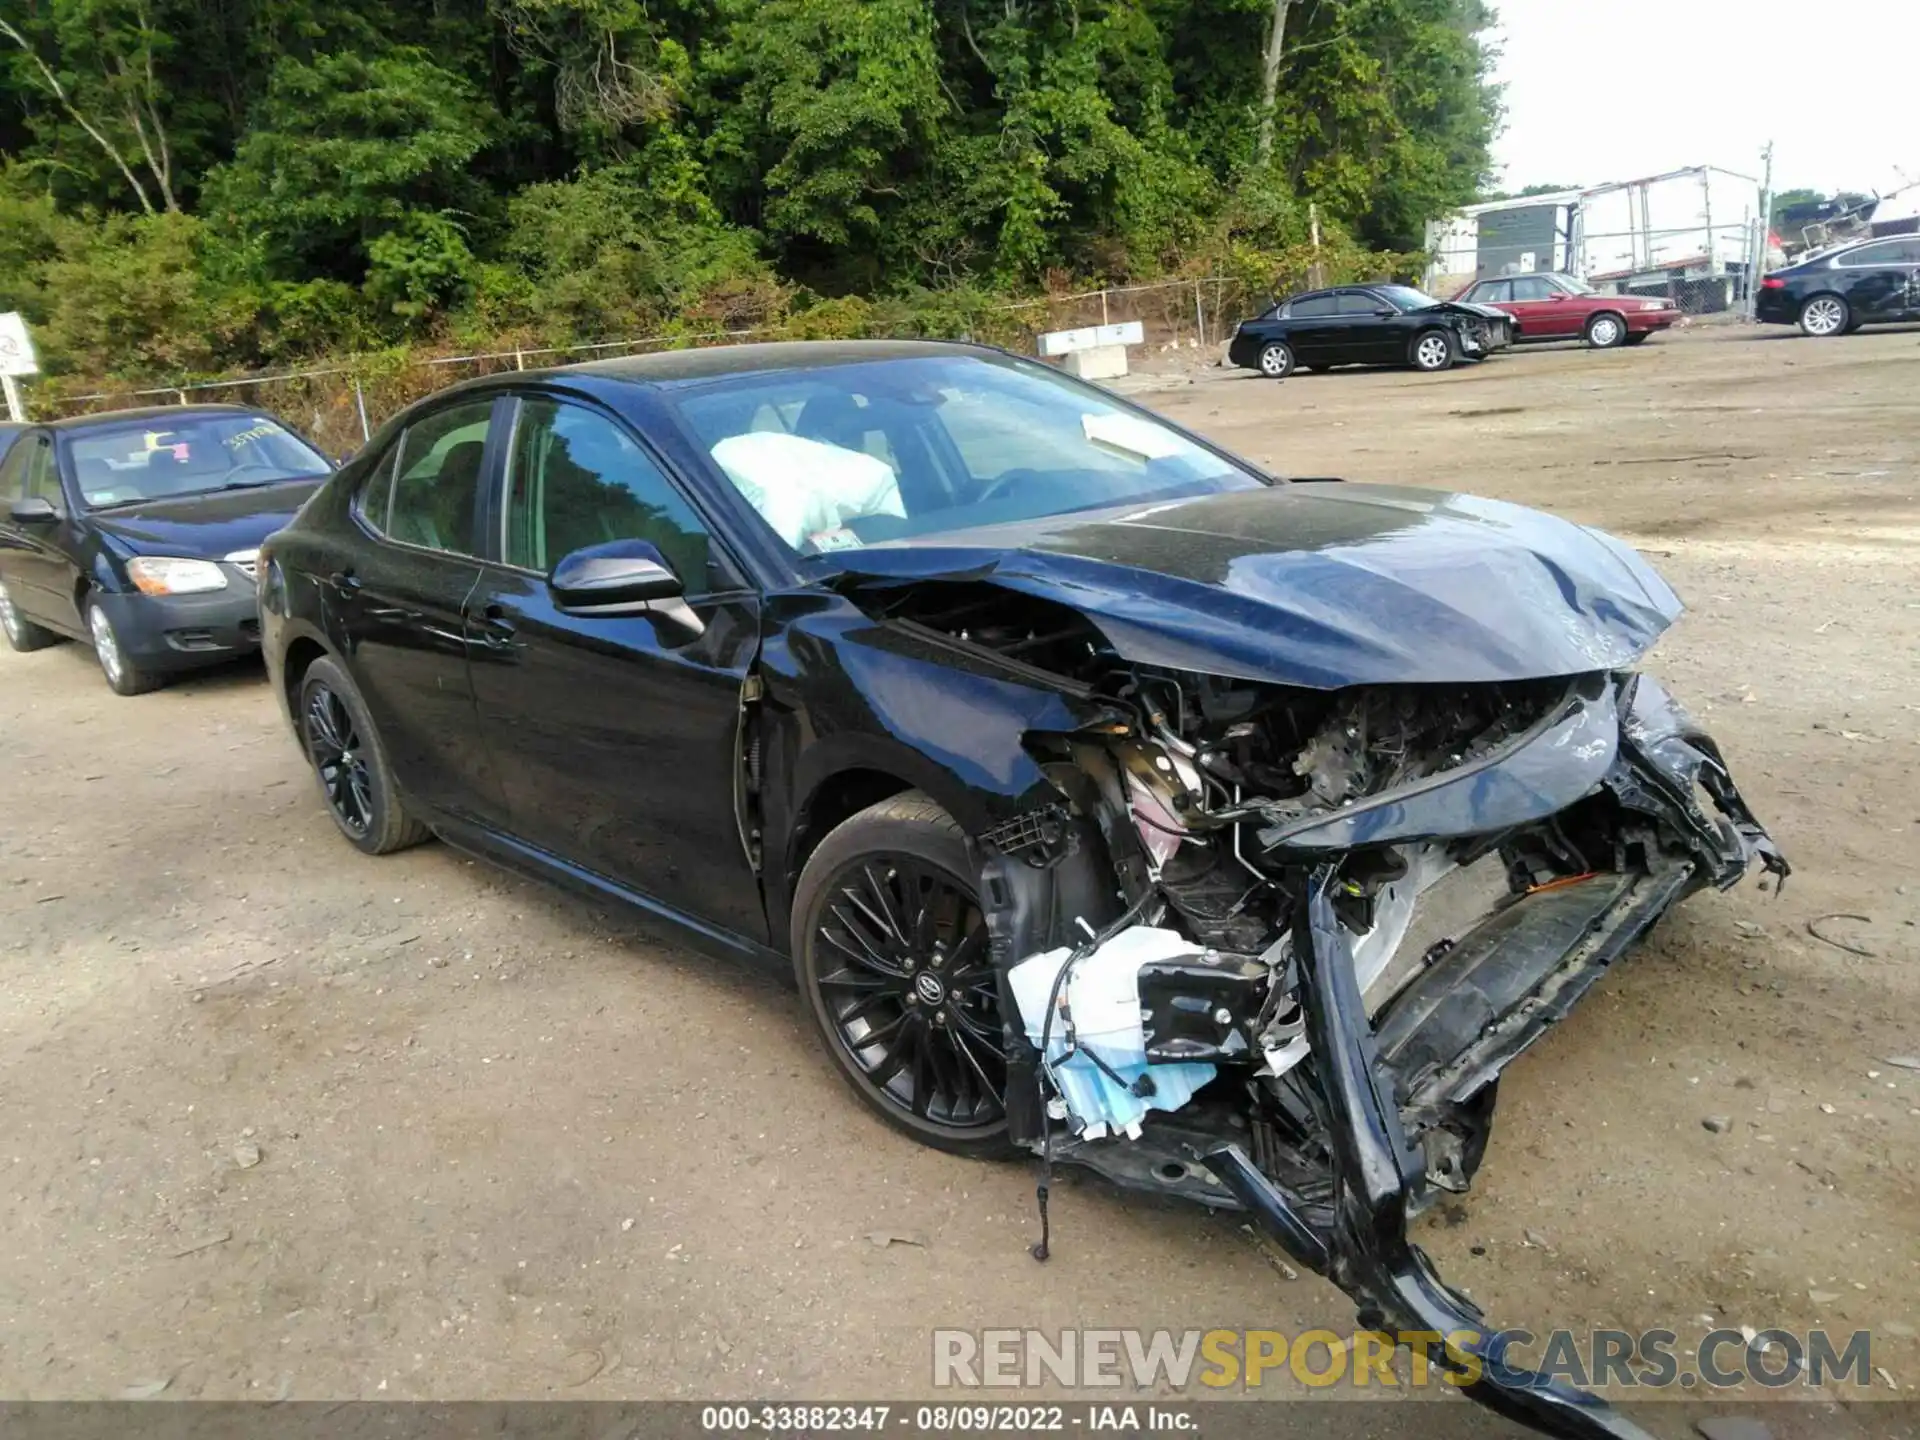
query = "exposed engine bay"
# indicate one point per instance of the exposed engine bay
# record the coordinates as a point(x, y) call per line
point(1268, 1005)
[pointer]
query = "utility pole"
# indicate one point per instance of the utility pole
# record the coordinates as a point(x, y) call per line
point(1766, 231)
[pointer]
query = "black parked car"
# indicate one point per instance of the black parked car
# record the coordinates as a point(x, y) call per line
point(1088, 777)
point(136, 531)
point(1835, 293)
point(1368, 325)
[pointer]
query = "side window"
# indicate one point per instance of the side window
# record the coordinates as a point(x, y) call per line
point(437, 483)
point(1361, 304)
point(376, 491)
point(1870, 256)
point(13, 472)
point(1906, 252)
point(1534, 287)
point(43, 476)
point(575, 478)
point(1317, 305)
point(1492, 292)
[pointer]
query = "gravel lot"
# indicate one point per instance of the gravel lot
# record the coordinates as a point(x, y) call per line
point(282, 1121)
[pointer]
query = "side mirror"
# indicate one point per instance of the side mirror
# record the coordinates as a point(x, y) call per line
point(623, 577)
point(1385, 312)
point(35, 510)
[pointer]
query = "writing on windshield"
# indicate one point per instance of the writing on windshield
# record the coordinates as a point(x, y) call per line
point(161, 458)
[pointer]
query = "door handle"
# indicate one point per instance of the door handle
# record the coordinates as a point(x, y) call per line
point(496, 630)
point(345, 581)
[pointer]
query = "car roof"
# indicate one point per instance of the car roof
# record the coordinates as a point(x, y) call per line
point(669, 367)
point(148, 412)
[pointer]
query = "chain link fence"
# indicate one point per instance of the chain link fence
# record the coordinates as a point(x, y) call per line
point(339, 406)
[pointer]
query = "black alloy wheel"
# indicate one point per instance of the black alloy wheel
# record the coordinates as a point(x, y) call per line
point(351, 764)
point(892, 957)
point(339, 758)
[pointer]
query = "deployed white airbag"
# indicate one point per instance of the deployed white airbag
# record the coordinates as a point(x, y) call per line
point(808, 490)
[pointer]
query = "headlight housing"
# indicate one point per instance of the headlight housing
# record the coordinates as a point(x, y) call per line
point(1653, 305)
point(168, 575)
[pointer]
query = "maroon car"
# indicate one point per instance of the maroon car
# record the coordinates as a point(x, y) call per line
point(1559, 307)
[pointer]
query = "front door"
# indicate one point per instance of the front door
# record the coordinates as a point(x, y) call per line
point(1370, 330)
point(1543, 310)
point(40, 577)
point(397, 607)
point(617, 736)
point(1877, 279)
point(1906, 257)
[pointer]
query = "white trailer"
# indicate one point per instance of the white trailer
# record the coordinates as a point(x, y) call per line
point(1688, 234)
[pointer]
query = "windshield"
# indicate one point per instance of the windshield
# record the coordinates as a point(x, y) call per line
point(850, 455)
point(160, 458)
point(1404, 297)
point(1572, 286)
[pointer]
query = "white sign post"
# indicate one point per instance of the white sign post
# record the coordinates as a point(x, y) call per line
point(16, 359)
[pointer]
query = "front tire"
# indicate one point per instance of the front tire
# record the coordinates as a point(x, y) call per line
point(22, 634)
point(1824, 316)
point(1434, 350)
point(1276, 360)
point(351, 764)
point(1606, 330)
point(123, 676)
point(891, 957)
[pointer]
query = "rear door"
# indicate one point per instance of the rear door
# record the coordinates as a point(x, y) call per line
point(617, 736)
point(1313, 327)
point(397, 606)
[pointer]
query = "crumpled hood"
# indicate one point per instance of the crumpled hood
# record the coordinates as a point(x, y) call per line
point(206, 526)
point(1317, 584)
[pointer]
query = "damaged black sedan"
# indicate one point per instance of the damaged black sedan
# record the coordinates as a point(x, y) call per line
point(1113, 801)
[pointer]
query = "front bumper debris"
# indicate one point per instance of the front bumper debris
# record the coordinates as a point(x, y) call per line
point(1448, 1035)
point(1605, 803)
point(1363, 1246)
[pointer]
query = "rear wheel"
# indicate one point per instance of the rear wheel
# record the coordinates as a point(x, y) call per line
point(1825, 315)
point(351, 764)
point(123, 676)
point(1433, 350)
point(1276, 360)
point(890, 953)
point(22, 634)
point(1606, 330)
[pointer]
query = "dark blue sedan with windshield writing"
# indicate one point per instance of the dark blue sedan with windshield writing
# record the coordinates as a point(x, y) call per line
point(1087, 780)
point(135, 531)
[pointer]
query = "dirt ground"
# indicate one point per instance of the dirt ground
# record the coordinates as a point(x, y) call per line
point(280, 1121)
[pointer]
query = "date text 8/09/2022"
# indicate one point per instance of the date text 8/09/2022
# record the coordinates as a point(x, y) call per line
point(946, 1419)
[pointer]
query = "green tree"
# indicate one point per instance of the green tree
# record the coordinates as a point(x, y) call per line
point(343, 151)
point(822, 113)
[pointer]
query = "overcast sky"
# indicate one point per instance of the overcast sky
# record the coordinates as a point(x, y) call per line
point(1599, 92)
